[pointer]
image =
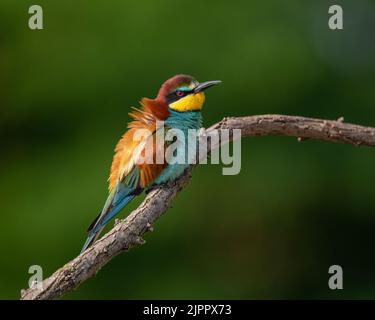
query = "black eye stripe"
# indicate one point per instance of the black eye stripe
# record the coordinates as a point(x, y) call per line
point(176, 95)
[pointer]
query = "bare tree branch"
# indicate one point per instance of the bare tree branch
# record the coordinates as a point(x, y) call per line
point(128, 232)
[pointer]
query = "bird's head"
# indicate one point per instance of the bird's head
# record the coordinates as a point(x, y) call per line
point(183, 93)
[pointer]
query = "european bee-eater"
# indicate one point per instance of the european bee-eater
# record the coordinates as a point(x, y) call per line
point(178, 104)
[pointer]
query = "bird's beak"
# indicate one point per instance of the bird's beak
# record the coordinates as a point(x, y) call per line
point(205, 85)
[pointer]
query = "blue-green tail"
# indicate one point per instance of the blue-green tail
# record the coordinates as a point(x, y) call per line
point(116, 201)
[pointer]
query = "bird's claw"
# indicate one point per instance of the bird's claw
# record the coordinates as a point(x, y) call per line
point(202, 132)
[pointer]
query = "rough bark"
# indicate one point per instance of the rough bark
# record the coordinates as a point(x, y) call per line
point(128, 233)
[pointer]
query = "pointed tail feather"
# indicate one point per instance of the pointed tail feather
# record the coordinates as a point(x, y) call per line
point(91, 239)
point(116, 201)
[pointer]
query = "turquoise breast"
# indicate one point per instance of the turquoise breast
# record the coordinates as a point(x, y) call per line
point(182, 121)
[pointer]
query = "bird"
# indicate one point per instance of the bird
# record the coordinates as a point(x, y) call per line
point(178, 105)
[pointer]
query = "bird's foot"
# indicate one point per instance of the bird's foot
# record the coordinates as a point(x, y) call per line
point(202, 132)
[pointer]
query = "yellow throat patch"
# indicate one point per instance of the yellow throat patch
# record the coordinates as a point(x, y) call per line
point(192, 102)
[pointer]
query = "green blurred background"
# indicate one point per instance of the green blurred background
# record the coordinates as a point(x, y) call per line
point(270, 232)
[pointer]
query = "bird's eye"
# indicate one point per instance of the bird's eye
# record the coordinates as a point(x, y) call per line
point(179, 93)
